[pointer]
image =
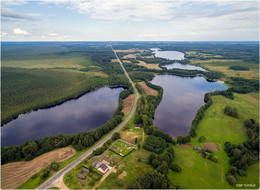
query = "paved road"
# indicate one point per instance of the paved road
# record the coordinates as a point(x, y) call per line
point(58, 176)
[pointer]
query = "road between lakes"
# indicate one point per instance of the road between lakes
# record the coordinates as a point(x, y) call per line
point(58, 176)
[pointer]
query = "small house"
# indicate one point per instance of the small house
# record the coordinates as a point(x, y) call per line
point(103, 168)
point(85, 170)
point(94, 163)
point(197, 148)
point(137, 126)
point(81, 176)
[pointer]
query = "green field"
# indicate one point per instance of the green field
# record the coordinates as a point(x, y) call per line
point(131, 167)
point(122, 148)
point(200, 173)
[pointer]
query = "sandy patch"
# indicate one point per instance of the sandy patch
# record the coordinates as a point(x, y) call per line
point(127, 61)
point(148, 90)
point(129, 56)
point(188, 146)
point(122, 175)
point(16, 173)
point(210, 146)
point(127, 104)
point(114, 60)
point(149, 66)
point(129, 136)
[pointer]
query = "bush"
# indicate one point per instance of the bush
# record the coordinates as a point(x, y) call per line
point(202, 139)
point(54, 166)
point(116, 136)
point(154, 144)
point(231, 179)
point(232, 112)
point(175, 167)
point(241, 173)
point(46, 173)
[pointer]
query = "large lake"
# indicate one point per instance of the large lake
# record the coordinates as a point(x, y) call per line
point(182, 98)
point(83, 114)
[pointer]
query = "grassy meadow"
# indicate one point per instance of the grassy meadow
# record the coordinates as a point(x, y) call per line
point(200, 173)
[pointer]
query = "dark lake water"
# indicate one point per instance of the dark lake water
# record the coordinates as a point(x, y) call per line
point(182, 97)
point(83, 114)
point(183, 66)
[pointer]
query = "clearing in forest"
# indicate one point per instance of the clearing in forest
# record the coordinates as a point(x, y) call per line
point(127, 103)
point(149, 66)
point(129, 136)
point(148, 90)
point(16, 173)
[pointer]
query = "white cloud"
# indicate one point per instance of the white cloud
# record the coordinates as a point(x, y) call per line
point(52, 34)
point(152, 35)
point(13, 2)
point(4, 33)
point(20, 32)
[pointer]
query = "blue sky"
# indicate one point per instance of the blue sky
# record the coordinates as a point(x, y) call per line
point(129, 20)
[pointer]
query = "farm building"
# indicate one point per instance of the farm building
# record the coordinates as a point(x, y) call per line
point(85, 170)
point(94, 163)
point(197, 148)
point(137, 126)
point(103, 168)
point(81, 176)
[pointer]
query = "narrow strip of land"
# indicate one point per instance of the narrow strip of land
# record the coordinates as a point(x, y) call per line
point(60, 174)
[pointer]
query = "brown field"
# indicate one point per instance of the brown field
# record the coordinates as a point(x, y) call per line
point(126, 61)
point(211, 146)
point(129, 56)
point(147, 90)
point(129, 136)
point(149, 66)
point(114, 60)
point(127, 104)
point(188, 146)
point(17, 173)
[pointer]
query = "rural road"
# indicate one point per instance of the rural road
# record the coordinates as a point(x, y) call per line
point(53, 181)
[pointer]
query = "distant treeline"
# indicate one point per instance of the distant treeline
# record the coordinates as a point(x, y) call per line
point(244, 155)
point(243, 86)
point(80, 141)
point(239, 68)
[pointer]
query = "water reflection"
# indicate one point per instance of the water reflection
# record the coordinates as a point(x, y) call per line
point(184, 67)
point(84, 114)
point(182, 97)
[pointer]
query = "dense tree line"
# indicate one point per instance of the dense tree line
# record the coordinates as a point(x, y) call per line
point(200, 114)
point(157, 179)
point(244, 155)
point(243, 86)
point(239, 68)
point(32, 149)
point(154, 144)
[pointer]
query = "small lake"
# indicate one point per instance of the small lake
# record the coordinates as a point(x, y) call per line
point(174, 55)
point(171, 55)
point(182, 98)
point(83, 114)
point(183, 66)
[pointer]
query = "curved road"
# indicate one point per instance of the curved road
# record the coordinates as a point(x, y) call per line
point(53, 181)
